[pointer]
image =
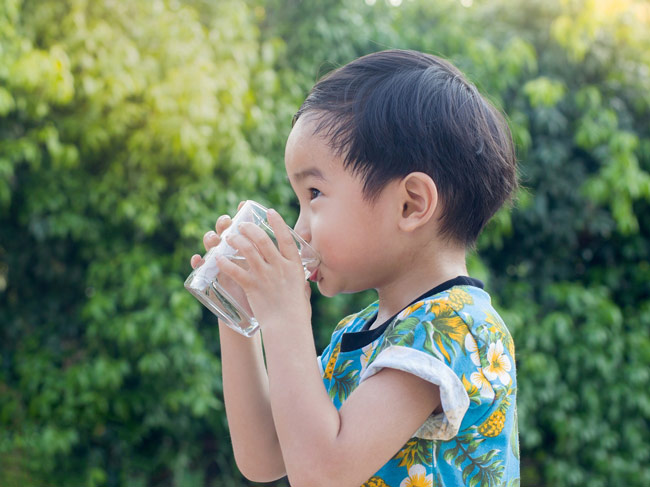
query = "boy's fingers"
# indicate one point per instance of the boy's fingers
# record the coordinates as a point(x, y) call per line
point(196, 261)
point(261, 240)
point(233, 271)
point(247, 249)
point(223, 222)
point(286, 242)
point(210, 239)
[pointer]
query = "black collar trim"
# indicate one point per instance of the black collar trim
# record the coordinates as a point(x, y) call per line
point(356, 340)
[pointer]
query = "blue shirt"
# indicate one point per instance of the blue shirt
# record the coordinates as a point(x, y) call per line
point(451, 337)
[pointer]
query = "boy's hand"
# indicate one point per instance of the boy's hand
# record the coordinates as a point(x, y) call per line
point(212, 239)
point(275, 279)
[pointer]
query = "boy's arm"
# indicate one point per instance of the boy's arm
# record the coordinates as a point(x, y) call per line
point(246, 392)
point(323, 446)
point(248, 407)
point(320, 445)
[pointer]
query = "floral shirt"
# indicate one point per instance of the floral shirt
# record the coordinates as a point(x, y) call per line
point(452, 337)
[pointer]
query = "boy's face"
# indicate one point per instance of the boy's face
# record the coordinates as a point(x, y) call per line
point(353, 236)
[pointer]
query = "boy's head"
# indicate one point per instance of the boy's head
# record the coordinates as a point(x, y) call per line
point(395, 112)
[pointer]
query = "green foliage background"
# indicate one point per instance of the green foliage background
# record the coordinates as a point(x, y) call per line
point(127, 127)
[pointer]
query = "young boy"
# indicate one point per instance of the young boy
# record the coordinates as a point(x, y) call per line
point(398, 163)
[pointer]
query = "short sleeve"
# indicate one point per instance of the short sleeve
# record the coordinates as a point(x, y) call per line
point(426, 340)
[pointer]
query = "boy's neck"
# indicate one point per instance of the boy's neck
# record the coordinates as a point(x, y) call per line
point(417, 276)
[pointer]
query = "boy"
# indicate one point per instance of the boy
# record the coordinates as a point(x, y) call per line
point(397, 163)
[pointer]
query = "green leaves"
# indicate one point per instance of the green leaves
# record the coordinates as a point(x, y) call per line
point(543, 91)
point(127, 127)
point(121, 126)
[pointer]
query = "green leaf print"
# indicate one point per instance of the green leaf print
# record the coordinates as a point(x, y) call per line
point(402, 332)
point(443, 331)
point(514, 437)
point(450, 454)
point(428, 339)
point(398, 333)
point(343, 381)
point(438, 480)
point(416, 451)
point(481, 470)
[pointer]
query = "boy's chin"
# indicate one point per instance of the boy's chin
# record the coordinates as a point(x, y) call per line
point(323, 290)
point(328, 292)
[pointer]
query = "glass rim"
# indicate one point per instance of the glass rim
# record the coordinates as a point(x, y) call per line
point(294, 234)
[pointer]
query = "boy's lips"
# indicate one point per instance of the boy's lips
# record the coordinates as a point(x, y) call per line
point(314, 276)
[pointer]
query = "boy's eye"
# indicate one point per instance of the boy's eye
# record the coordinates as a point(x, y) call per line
point(314, 193)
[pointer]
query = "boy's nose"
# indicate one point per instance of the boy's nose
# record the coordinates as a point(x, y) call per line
point(302, 227)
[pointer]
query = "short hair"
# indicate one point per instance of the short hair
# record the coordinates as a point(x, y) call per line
point(394, 112)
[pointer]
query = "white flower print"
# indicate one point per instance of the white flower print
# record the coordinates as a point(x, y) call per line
point(417, 478)
point(498, 364)
point(409, 310)
point(482, 383)
point(472, 347)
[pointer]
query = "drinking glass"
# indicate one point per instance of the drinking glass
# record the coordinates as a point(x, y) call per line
point(222, 295)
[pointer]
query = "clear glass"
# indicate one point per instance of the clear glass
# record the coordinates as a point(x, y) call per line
point(220, 294)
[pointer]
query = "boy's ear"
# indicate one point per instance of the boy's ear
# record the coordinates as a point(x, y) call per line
point(419, 195)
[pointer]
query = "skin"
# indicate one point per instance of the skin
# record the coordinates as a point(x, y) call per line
point(390, 244)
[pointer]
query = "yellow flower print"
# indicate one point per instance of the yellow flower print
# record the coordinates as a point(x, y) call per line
point(408, 310)
point(437, 306)
point(496, 324)
point(375, 482)
point(448, 327)
point(458, 298)
point(498, 364)
point(365, 356)
point(472, 347)
point(344, 322)
point(332, 362)
point(472, 390)
point(417, 478)
point(482, 383)
point(511, 346)
point(416, 451)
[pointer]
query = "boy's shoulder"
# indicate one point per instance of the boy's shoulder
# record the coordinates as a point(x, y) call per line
point(461, 306)
point(455, 312)
point(463, 300)
point(467, 301)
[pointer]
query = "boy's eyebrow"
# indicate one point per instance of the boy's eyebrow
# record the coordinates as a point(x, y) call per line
point(310, 171)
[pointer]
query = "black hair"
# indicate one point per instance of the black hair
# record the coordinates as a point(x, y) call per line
point(394, 112)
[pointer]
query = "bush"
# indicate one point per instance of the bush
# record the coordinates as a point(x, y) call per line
point(126, 127)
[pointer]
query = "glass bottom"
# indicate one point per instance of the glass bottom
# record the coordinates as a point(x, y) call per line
point(214, 297)
point(222, 304)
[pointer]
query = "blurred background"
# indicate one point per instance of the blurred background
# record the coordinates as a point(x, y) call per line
point(127, 127)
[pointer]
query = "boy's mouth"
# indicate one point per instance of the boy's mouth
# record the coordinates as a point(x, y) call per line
point(314, 276)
